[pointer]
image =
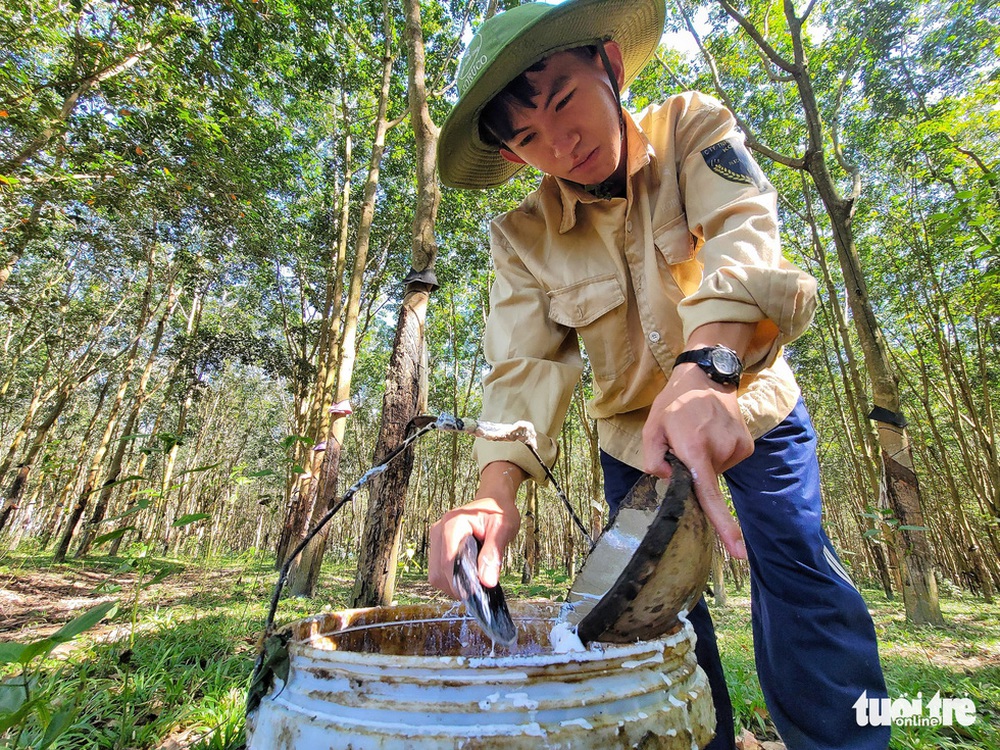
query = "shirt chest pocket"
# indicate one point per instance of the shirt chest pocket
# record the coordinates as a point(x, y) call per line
point(675, 241)
point(596, 308)
point(676, 246)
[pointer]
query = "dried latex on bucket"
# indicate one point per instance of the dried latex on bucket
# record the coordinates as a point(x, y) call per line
point(563, 639)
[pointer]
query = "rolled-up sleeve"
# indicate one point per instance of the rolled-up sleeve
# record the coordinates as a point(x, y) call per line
point(732, 210)
point(535, 363)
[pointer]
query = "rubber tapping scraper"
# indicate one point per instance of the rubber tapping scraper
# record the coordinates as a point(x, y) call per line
point(486, 605)
point(649, 566)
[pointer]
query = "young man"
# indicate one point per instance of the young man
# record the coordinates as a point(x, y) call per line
point(655, 240)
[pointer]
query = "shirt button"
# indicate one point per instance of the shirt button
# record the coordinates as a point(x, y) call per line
point(628, 225)
point(654, 336)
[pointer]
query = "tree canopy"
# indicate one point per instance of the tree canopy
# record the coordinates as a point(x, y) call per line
point(188, 191)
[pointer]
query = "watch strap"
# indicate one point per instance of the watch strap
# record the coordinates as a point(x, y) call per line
point(693, 355)
point(704, 359)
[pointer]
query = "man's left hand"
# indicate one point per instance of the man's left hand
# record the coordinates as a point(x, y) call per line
point(699, 421)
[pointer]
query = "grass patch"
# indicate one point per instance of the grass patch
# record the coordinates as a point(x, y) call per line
point(179, 671)
point(961, 660)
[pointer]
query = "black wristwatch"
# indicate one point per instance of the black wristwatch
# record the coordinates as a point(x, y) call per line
point(720, 363)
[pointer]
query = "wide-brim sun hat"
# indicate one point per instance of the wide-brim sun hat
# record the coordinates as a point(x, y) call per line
point(509, 43)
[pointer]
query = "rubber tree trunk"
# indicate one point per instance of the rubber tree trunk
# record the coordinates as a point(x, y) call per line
point(900, 489)
point(719, 576)
point(16, 491)
point(14, 495)
point(596, 489)
point(859, 438)
point(133, 498)
point(899, 486)
point(185, 395)
point(94, 473)
point(304, 574)
point(375, 581)
point(376, 576)
point(89, 532)
point(37, 399)
point(529, 523)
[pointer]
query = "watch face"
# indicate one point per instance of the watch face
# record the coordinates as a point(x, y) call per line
point(725, 361)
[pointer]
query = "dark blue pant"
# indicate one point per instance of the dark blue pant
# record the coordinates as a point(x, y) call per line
point(814, 641)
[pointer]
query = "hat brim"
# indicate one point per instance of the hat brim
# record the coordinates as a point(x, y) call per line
point(464, 161)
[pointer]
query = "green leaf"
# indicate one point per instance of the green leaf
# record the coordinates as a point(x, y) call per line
point(12, 698)
point(37, 648)
point(201, 468)
point(13, 719)
point(913, 528)
point(189, 519)
point(135, 436)
point(160, 575)
point(10, 652)
point(112, 535)
point(869, 533)
point(289, 440)
point(84, 622)
point(132, 478)
point(58, 724)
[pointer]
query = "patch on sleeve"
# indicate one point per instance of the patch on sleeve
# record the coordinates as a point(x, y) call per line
point(733, 162)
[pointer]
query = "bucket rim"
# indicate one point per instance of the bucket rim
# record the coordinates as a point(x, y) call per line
point(543, 610)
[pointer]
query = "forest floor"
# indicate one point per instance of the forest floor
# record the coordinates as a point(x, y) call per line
point(168, 670)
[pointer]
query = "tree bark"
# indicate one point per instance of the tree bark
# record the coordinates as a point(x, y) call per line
point(899, 480)
point(529, 525)
point(376, 575)
point(13, 497)
point(718, 575)
point(37, 399)
point(190, 383)
point(375, 581)
point(899, 484)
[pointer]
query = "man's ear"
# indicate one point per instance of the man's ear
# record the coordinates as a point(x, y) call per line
point(614, 53)
point(510, 156)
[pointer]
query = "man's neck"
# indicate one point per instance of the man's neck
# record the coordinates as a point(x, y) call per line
point(614, 186)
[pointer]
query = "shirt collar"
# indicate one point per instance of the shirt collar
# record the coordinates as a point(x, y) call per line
point(640, 153)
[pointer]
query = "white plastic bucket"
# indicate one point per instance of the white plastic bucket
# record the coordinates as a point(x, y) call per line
point(422, 677)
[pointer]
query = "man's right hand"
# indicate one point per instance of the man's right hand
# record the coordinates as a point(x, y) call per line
point(492, 518)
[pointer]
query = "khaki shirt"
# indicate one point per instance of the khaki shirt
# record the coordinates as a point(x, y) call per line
point(694, 241)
